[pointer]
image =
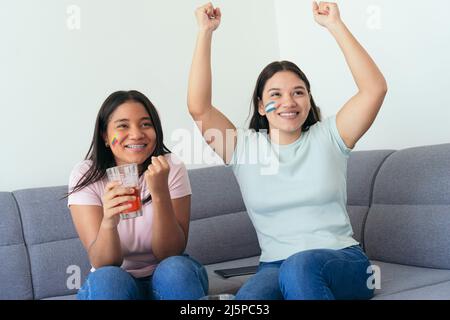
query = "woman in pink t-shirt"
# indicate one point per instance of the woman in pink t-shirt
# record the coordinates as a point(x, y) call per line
point(138, 258)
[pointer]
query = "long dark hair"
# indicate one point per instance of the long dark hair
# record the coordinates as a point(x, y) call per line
point(102, 156)
point(259, 122)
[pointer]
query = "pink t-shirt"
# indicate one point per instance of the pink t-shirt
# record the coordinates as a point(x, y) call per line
point(135, 234)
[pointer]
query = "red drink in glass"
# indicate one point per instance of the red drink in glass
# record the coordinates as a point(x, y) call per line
point(136, 204)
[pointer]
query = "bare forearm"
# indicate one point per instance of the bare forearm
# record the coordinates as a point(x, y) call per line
point(200, 87)
point(364, 70)
point(106, 249)
point(168, 238)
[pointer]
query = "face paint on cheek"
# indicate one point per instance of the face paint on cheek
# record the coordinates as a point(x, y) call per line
point(115, 140)
point(270, 107)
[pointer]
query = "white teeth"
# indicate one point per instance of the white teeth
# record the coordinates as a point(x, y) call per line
point(288, 114)
point(135, 146)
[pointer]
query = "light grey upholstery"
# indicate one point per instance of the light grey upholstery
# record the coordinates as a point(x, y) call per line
point(398, 203)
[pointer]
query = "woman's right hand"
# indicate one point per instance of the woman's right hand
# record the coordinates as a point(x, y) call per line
point(115, 202)
point(208, 17)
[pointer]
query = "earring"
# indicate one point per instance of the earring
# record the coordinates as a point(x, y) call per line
point(106, 144)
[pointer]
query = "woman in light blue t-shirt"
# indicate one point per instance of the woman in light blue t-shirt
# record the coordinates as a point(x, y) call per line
point(291, 167)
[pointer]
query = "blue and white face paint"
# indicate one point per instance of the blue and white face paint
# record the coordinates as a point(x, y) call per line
point(270, 107)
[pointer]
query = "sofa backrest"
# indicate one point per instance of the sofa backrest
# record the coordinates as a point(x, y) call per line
point(40, 249)
point(55, 252)
point(362, 168)
point(408, 222)
point(409, 219)
point(15, 274)
point(220, 228)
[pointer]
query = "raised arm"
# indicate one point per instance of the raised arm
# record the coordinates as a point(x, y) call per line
point(213, 124)
point(357, 114)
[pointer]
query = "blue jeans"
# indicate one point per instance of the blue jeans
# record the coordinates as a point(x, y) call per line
point(175, 278)
point(320, 274)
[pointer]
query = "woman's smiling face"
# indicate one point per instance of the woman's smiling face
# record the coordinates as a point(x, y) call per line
point(292, 103)
point(130, 133)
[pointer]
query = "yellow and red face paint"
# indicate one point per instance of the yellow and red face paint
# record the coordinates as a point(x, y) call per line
point(115, 140)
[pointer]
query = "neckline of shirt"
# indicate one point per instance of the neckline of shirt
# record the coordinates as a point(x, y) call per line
point(292, 144)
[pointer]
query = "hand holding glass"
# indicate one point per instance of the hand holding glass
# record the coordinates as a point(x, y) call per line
point(128, 176)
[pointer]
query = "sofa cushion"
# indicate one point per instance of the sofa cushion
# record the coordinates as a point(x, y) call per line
point(54, 266)
point(218, 284)
point(45, 216)
point(15, 276)
point(396, 278)
point(220, 228)
point(54, 248)
point(222, 238)
point(10, 224)
point(440, 291)
point(68, 297)
point(215, 192)
point(409, 220)
point(361, 171)
point(362, 168)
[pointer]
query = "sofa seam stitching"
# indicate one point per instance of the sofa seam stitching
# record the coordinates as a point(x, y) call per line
point(12, 244)
point(25, 244)
point(372, 187)
point(45, 242)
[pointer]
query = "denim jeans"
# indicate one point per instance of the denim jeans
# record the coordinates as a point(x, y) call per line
point(320, 274)
point(175, 278)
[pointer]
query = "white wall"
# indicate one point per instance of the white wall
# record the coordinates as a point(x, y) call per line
point(409, 40)
point(53, 78)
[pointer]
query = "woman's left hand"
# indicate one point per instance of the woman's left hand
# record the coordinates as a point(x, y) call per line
point(157, 176)
point(326, 13)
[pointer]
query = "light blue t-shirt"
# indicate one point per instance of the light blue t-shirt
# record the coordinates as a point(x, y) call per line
point(295, 194)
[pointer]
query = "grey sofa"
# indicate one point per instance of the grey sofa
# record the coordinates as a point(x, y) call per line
point(398, 203)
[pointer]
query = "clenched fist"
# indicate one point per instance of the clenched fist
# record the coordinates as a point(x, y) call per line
point(157, 176)
point(326, 13)
point(208, 17)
